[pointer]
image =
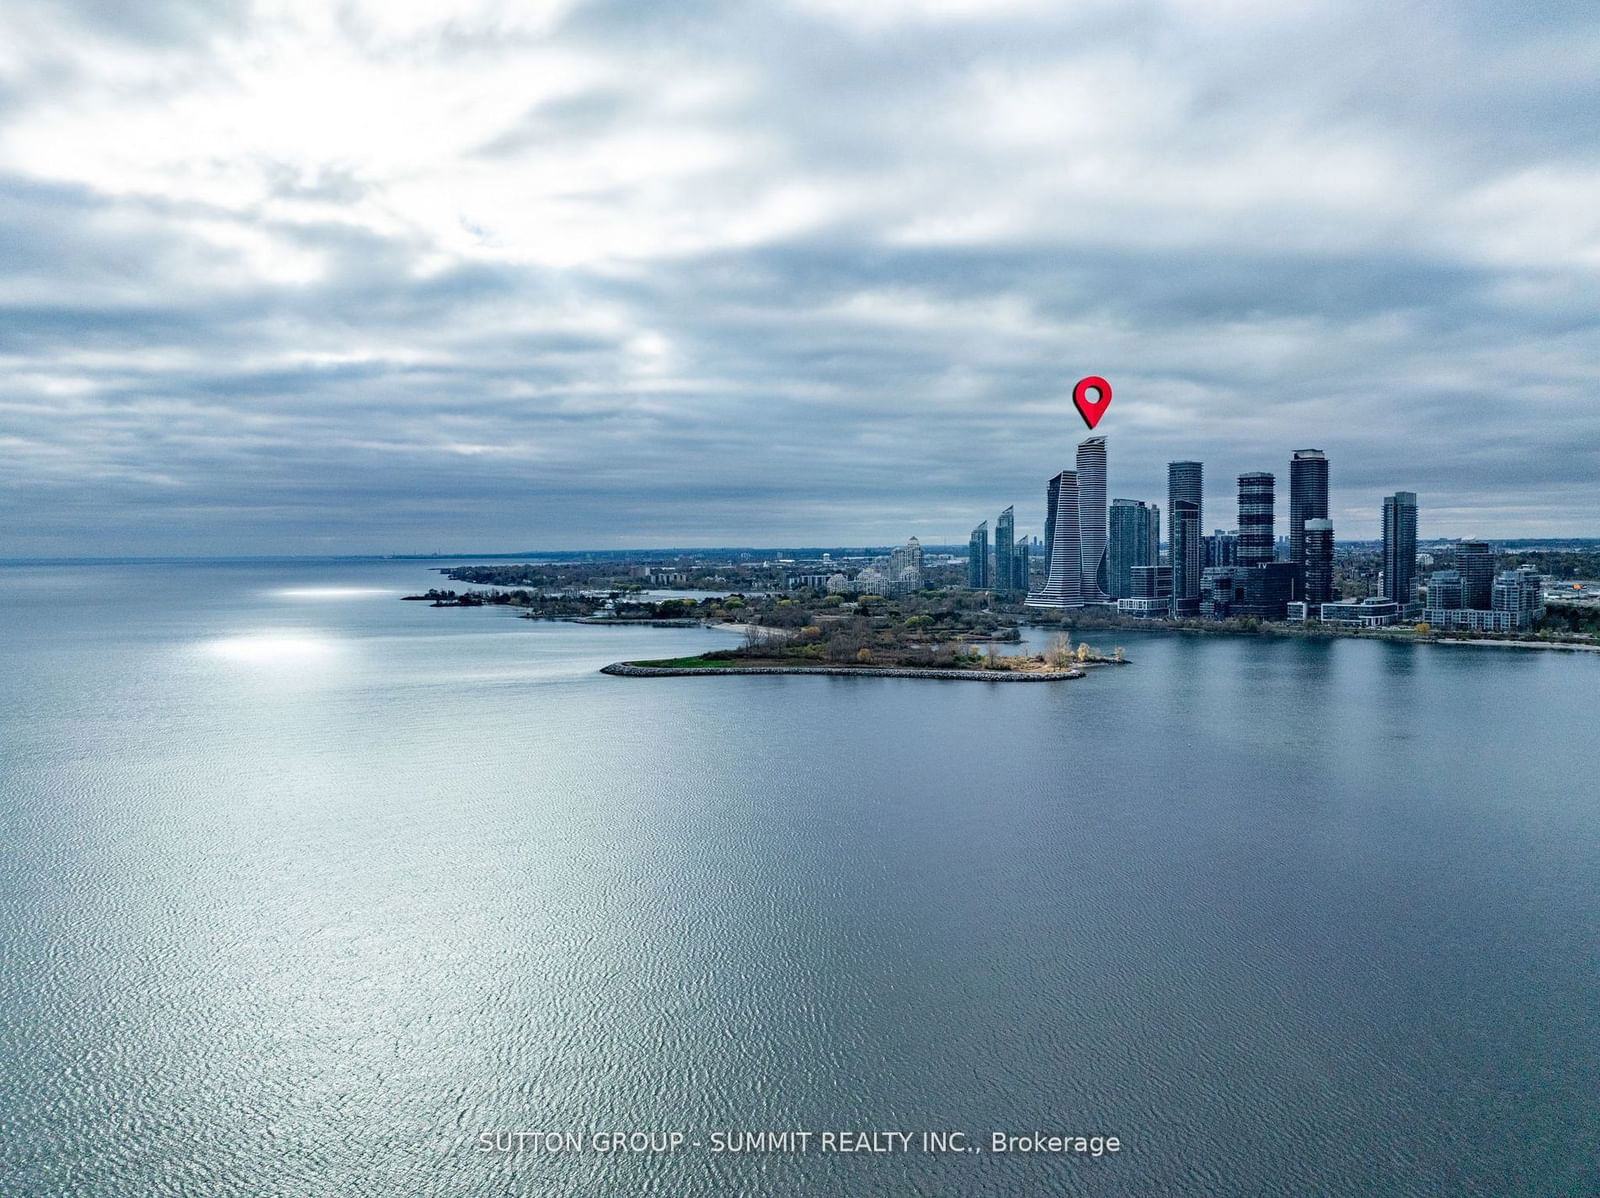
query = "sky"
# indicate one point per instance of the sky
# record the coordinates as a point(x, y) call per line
point(304, 276)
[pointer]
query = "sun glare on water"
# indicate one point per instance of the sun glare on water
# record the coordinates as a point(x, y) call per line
point(330, 592)
point(286, 649)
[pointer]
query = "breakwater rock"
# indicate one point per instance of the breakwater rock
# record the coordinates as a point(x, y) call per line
point(625, 669)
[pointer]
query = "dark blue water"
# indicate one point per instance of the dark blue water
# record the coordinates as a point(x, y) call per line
point(304, 888)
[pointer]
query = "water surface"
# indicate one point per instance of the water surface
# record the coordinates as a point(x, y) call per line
point(303, 888)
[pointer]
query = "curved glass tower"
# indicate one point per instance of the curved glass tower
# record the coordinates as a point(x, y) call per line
point(1064, 586)
point(1092, 519)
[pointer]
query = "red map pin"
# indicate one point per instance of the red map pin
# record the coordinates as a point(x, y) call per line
point(1092, 409)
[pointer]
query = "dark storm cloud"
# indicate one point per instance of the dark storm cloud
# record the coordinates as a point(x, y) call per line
point(305, 279)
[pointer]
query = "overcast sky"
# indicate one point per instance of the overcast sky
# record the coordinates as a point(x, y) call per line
point(402, 275)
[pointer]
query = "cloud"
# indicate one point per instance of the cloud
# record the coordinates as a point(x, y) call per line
point(306, 277)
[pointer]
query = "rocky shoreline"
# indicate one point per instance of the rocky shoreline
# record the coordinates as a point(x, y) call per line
point(625, 669)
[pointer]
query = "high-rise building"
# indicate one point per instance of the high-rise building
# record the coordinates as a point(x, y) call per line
point(1050, 520)
point(1185, 483)
point(1444, 590)
point(1004, 536)
point(1318, 552)
point(1020, 566)
point(1475, 562)
point(1129, 543)
point(904, 568)
point(1222, 549)
point(1308, 497)
point(1092, 517)
point(1255, 518)
point(1063, 585)
point(978, 558)
point(1154, 515)
point(1400, 549)
point(1186, 558)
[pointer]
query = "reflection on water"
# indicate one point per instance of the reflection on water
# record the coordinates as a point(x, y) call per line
point(280, 648)
point(341, 592)
point(298, 894)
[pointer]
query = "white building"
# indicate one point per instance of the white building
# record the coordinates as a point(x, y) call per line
point(1372, 612)
point(1145, 609)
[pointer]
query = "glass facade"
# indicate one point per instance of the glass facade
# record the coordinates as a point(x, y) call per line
point(978, 558)
point(1063, 585)
point(1004, 535)
point(1092, 517)
point(1255, 518)
point(1185, 484)
point(1318, 551)
point(1308, 498)
point(1475, 562)
point(1187, 556)
point(1400, 548)
point(1131, 543)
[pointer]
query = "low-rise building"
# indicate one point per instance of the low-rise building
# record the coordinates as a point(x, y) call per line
point(1372, 612)
point(1468, 619)
point(1145, 609)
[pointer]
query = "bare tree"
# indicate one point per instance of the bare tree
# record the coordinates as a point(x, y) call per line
point(1060, 651)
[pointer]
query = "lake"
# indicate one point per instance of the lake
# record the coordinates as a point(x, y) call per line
point(305, 889)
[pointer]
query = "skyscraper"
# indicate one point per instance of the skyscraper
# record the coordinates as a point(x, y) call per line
point(1092, 517)
point(1004, 535)
point(1475, 562)
point(1063, 586)
point(1255, 518)
point(1318, 551)
point(1020, 566)
point(1185, 482)
point(1186, 557)
point(1129, 543)
point(1400, 549)
point(1050, 520)
point(978, 558)
point(1308, 497)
